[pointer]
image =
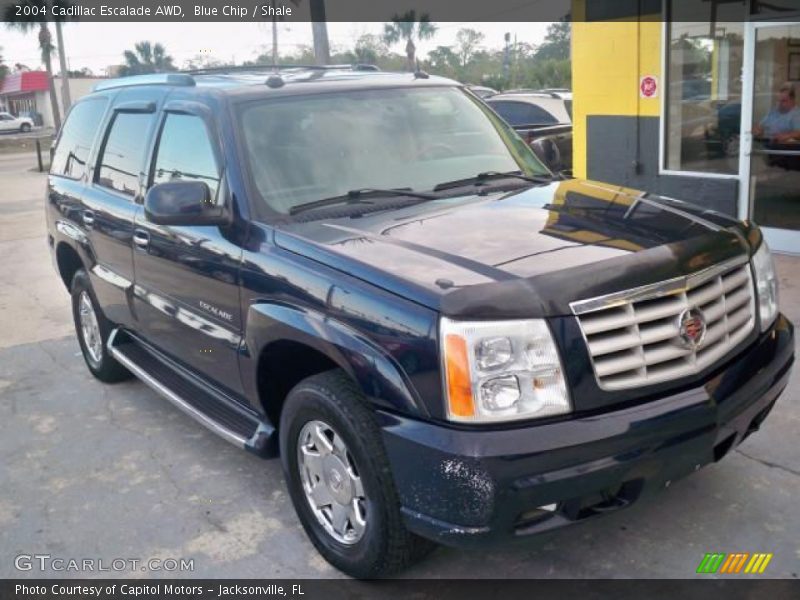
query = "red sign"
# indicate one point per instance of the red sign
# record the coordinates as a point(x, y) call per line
point(648, 86)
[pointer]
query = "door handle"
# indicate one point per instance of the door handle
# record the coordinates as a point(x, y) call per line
point(88, 217)
point(141, 238)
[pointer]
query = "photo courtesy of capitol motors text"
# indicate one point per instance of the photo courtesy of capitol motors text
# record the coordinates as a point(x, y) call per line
point(155, 590)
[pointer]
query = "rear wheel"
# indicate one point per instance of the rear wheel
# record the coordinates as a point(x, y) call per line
point(93, 329)
point(340, 481)
point(25, 127)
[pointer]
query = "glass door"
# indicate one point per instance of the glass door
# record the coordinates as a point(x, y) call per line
point(771, 117)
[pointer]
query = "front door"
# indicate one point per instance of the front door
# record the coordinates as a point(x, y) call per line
point(186, 293)
point(771, 144)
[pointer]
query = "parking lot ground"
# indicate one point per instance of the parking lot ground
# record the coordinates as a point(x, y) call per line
point(96, 471)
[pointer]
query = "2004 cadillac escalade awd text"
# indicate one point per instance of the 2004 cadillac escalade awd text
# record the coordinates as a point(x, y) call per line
point(372, 276)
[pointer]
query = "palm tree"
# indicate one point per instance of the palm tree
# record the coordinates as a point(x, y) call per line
point(40, 10)
point(146, 58)
point(407, 27)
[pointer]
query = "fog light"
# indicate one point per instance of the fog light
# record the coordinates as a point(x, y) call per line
point(493, 352)
point(500, 393)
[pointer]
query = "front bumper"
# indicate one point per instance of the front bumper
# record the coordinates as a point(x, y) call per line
point(463, 487)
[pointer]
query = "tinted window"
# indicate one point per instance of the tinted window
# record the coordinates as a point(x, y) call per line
point(121, 160)
point(185, 152)
point(522, 113)
point(76, 138)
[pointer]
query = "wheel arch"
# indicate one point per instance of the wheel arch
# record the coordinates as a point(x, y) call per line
point(286, 344)
point(68, 261)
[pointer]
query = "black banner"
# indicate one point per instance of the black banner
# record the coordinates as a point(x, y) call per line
point(343, 589)
point(385, 10)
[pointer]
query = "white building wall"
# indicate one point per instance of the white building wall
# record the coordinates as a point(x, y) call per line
point(78, 88)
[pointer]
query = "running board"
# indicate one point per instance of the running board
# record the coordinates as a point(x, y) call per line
point(211, 408)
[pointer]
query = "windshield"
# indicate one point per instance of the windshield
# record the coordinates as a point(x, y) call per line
point(306, 148)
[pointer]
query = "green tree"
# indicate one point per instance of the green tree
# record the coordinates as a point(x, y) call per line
point(369, 49)
point(556, 43)
point(443, 61)
point(468, 41)
point(38, 21)
point(408, 27)
point(146, 58)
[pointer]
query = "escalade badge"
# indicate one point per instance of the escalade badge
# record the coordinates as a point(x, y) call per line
point(692, 328)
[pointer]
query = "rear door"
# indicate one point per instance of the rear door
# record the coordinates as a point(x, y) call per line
point(110, 200)
point(187, 288)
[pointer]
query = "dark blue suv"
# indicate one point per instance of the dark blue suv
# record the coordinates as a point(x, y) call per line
point(372, 276)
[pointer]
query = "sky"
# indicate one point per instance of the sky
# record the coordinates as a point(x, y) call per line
point(98, 45)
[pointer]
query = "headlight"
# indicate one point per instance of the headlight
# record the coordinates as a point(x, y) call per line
point(766, 284)
point(501, 371)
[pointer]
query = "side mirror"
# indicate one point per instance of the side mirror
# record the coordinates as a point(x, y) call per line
point(547, 151)
point(183, 203)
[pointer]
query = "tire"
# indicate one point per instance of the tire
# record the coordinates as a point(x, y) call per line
point(384, 546)
point(92, 330)
point(25, 128)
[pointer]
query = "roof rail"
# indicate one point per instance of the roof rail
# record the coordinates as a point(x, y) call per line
point(268, 67)
point(548, 92)
point(178, 79)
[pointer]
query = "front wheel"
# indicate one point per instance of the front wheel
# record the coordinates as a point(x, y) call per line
point(93, 329)
point(339, 479)
point(25, 128)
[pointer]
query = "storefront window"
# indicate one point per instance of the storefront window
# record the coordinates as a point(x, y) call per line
point(704, 90)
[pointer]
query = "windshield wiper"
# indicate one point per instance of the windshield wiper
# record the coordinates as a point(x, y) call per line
point(356, 197)
point(481, 178)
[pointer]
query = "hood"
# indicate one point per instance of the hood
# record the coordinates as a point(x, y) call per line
point(536, 249)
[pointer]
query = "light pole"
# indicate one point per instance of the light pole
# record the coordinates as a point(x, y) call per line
point(66, 100)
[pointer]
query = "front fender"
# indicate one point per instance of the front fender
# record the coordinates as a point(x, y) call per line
point(379, 376)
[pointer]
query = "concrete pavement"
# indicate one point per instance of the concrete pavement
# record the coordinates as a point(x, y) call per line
point(96, 471)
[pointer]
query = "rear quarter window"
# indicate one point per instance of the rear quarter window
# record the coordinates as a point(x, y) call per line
point(77, 137)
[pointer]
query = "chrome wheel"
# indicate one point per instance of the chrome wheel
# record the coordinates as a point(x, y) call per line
point(331, 482)
point(90, 329)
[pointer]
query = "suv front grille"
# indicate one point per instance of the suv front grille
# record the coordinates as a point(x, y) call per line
point(634, 337)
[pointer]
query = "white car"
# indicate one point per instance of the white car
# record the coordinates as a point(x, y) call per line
point(533, 107)
point(9, 122)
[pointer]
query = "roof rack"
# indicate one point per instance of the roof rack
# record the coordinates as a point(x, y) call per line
point(280, 67)
point(177, 79)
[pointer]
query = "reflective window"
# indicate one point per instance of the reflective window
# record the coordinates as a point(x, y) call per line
point(313, 147)
point(123, 152)
point(77, 135)
point(185, 152)
point(704, 88)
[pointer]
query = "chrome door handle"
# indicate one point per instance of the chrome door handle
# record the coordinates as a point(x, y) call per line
point(141, 238)
point(88, 218)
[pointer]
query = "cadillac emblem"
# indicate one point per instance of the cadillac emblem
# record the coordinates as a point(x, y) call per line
point(692, 328)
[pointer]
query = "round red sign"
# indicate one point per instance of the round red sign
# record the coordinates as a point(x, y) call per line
point(648, 86)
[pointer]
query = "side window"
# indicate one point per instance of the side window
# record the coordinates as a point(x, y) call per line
point(121, 159)
point(77, 135)
point(536, 115)
point(185, 152)
point(513, 113)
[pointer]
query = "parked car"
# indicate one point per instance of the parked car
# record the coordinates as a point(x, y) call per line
point(482, 91)
point(9, 122)
point(34, 116)
point(544, 120)
point(533, 107)
point(372, 276)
